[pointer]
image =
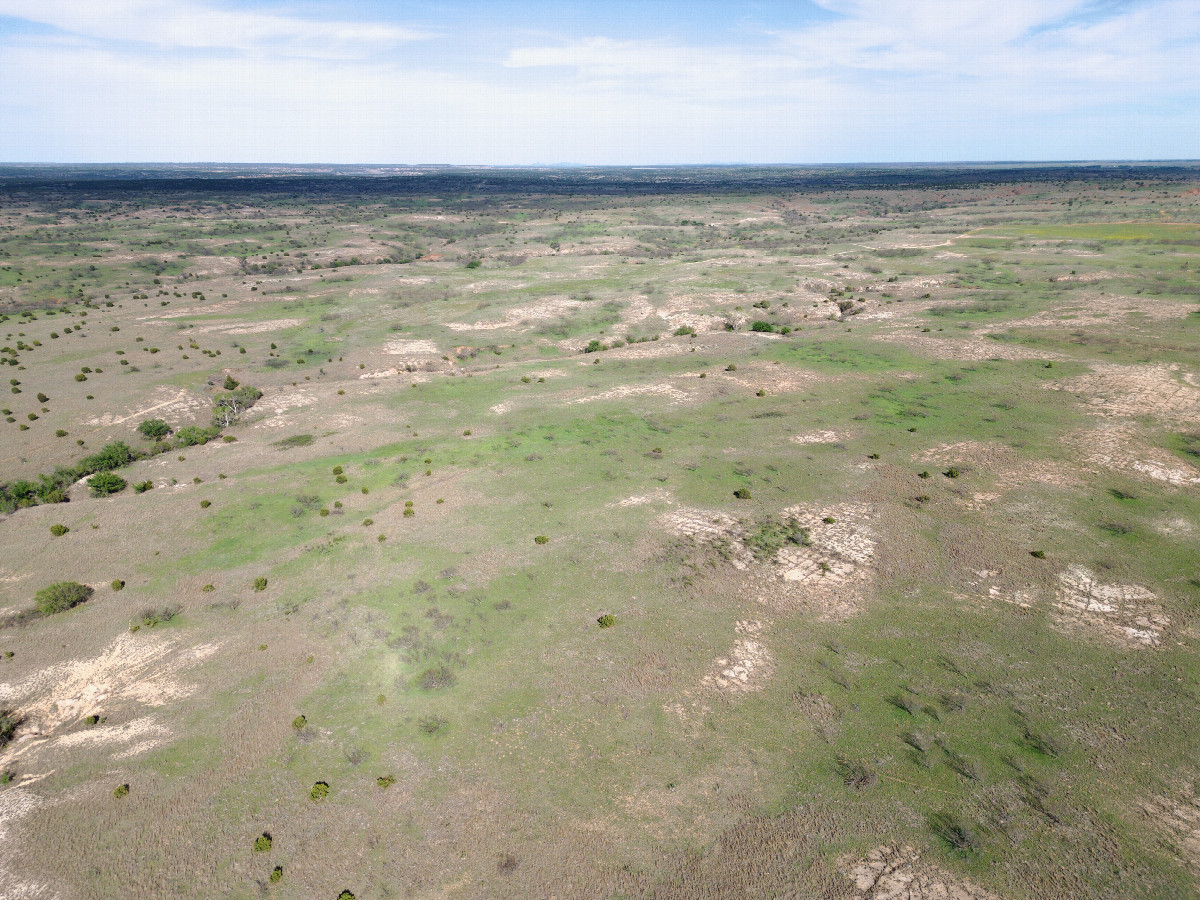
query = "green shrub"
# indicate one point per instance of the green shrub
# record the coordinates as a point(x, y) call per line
point(296, 440)
point(770, 537)
point(59, 530)
point(260, 583)
point(319, 791)
point(368, 522)
point(142, 486)
point(594, 346)
point(205, 504)
point(1038, 554)
point(409, 512)
point(341, 479)
point(64, 595)
point(541, 539)
point(152, 616)
point(345, 895)
point(337, 470)
point(299, 722)
point(194, 435)
point(607, 620)
point(154, 429)
point(121, 790)
point(385, 781)
point(276, 875)
point(762, 326)
point(262, 843)
point(9, 721)
point(103, 484)
point(117, 584)
point(230, 384)
point(742, 494)
point(951, 472)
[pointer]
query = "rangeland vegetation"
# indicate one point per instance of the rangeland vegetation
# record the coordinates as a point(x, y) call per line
point(597, 533)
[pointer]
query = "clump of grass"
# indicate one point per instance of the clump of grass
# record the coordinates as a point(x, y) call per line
point(296, 440)
point(435, 679)
point(432, 725)
point(955, 832)
point(905, 703)
point(856, 774)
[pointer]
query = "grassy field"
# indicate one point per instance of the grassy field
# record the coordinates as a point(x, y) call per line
point(705, 533)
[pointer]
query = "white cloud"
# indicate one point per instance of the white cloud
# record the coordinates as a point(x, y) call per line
point(170, 23)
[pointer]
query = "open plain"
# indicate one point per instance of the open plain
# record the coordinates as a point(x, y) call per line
point(664, 533)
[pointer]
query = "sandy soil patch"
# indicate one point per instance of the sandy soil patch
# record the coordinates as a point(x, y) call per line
point(1123, 450)
point(281, 403)
point(989, 583)
point(646, 350)
point(712, 527)
point(840, 552)
point(656, 496)
point(168, 402)
point(968, 347)
point(255, 328)
point(131, 669)
point(637, 390)
point(1129, 392)
point(1128, 612)
point(890, 874)
point(401, 347)
point(547, 309)
point(772, 378)
point(818, 437)
point(746, 665)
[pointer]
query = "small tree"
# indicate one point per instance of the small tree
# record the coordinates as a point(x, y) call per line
point(154, 429)
point(230, 383)
point(227, 407)
point(105, 483)
point(60, 597)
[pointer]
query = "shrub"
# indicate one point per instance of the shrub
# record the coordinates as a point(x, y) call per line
point(1038, 554)
point(117, 584)
point(64, 595)
point(154, 429)
point(951, 472)
point(152, 616)
point(368, 522)
point(194, 435)
point(299, 722)
point(61, 432)
point(142, 486)
point(594, 346)
point(205, 504)
point(770, 537)
point(104, 483)
point(409, 512)
point(79, 376)
point(365, 490)
point(337, 470)
point(9, 721)
point(59, 530)
point(607, 621)
point(341, 479)
point(762, 326)
point(276, 875)
point(345, 895)
point(435, 679)
point(260, 583)
point(432, 725)
point(385, 781)
point(296, 440)
point(685, 331)
point(230, 384)
point(541, 539)
point(319, 791)
point(121, 790)
point(742, 494)
point(262, 843)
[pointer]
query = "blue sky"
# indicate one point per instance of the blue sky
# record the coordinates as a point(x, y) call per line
point(616, 82)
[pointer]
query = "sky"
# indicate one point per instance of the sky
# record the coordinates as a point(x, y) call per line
point(656, 82)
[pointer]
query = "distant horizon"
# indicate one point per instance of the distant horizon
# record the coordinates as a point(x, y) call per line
point(589, 165)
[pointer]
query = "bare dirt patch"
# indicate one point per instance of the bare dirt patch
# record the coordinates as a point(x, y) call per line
point(747, 664)
point(891, 874)
point(1123, 450)
point(1179, 818)
point(818, 437)
point(637, 390)
point(1129, 392)
point(255, 328)
point(1129, 613)
point(168, 402)
point(522, 315)
point(137, 669)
